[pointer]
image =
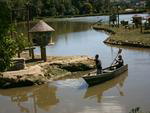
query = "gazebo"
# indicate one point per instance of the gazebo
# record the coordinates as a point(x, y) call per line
point(137, 20)
point(41, 34)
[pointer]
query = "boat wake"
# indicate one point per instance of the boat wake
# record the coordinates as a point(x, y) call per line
point(71, 83)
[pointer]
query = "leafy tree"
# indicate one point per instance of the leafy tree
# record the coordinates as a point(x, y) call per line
point(98, 6)
point(7, 45)
point(53, 11)
point(87, 8)
point(61, 9)
point(21, 42)
point(148, 4)
point(7, 51)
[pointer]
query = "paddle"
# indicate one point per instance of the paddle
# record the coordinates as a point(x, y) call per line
point(119, 52)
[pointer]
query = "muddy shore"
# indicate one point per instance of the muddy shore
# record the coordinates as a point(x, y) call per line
point(36, 73)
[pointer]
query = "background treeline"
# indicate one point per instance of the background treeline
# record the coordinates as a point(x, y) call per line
point(61, 7)
point(69, 7)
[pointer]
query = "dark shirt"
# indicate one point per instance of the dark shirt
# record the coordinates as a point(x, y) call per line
point(119, 63)
point(98, 64)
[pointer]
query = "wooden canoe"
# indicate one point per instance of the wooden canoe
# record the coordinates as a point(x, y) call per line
point(99, 90)
point(107, 74)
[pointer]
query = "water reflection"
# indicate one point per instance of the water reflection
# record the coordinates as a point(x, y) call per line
point(67, 96)
point(43, 97)
point(97, 91)
point(62, 29)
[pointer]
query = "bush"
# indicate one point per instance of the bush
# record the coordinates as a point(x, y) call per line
point(7, 51)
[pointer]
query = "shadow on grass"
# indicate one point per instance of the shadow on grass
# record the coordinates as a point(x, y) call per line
point(37, 60)
point(146, 32)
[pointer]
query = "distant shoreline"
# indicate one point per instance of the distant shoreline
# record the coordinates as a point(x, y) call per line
point(125, 38)
point(98, 14)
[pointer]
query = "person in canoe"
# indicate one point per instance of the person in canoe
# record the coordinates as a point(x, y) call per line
point(119, 62)
point(98, 64)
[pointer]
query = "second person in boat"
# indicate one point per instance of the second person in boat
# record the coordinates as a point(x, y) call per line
point(119, 62)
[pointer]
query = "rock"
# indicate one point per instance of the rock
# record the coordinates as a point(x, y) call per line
point(17, 64)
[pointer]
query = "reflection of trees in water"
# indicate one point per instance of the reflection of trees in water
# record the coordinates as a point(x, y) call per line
point(46, 97)
point(61, 28)
point(42, 96)
point(100, 89)
point(64, 27)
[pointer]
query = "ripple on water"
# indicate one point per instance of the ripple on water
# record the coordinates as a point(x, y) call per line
point(71, 83)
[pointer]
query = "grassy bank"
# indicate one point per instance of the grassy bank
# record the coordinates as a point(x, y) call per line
point(125, 36)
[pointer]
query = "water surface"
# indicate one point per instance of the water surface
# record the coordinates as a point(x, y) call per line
point(71, 94)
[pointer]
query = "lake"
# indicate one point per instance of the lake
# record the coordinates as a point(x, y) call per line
point(74, 36)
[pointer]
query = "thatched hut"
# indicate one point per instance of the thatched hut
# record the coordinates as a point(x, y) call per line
point(41, 35)
point(137, 20)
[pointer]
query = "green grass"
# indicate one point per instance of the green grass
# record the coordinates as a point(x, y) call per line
point(128, 35)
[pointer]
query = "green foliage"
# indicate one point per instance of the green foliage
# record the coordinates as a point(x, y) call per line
point(148, 4)
point(87, 8)
point(58, 7)
point(21, 42)
point(7, 51)
point(68, 7)
point(7, 45)
point(4, 16)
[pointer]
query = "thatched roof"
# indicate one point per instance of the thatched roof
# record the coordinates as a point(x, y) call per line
point(137, 16)
point(41, 26)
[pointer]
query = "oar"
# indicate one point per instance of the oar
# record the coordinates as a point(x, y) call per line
point(98, 21)
point(119, 52)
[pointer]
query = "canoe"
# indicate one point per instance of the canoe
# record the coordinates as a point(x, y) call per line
point(98, 90)
point(108, 74)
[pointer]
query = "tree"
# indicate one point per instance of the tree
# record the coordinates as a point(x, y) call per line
point(87, 8)
point(21, 42)
point(63, 7)
point(148, 4)
point(7, 45)
point(98, 6)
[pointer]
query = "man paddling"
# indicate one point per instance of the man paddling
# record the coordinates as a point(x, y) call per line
point(119, 62)
point(98, 64)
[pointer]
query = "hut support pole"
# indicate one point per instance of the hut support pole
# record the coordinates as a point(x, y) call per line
point(43, 53)
point(118, 15)
point(141, 28)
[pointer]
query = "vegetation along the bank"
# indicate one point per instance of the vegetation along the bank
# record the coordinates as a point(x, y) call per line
point(125, 36)
point(8, 46)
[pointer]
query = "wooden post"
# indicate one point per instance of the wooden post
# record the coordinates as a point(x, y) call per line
point(31, 51)
point(19, 54)
point(141, 28)
point(43, 53)
point(109, 13)
point(118, 15)
point(11, 22)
